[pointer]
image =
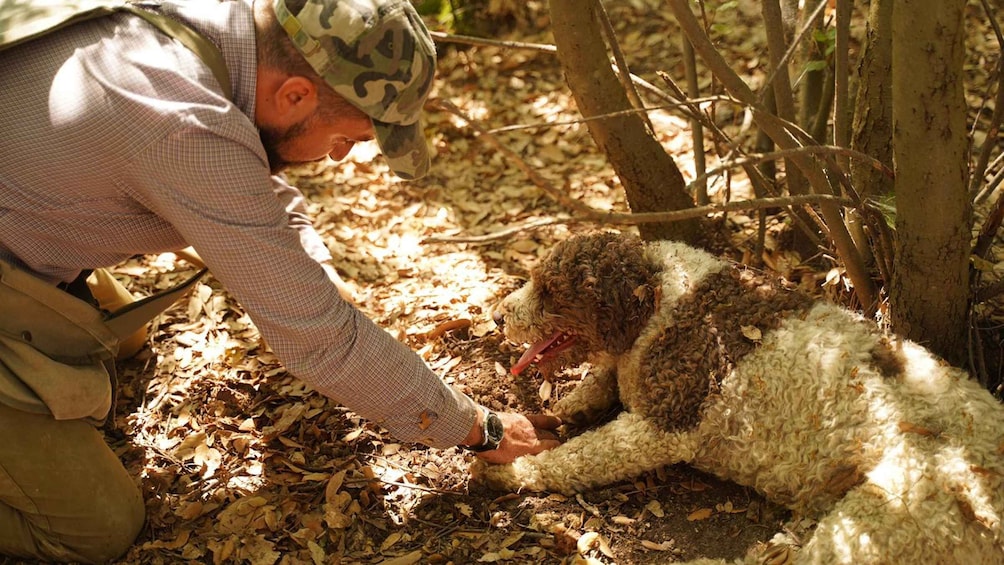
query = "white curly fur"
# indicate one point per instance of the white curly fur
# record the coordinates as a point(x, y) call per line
point(903, 469)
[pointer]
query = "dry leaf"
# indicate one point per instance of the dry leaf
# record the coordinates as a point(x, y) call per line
point(752, 333)
point(390, 540)
point(593, 540)
point(698, 515)
point(664, 546)
point(494, 556)
point(333, 486)
point(544, 392)
point(407, 559)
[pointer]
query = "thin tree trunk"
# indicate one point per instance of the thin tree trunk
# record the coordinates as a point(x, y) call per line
point(929, 291)
point(872, 124)
point(651, 180)
point(784, 139)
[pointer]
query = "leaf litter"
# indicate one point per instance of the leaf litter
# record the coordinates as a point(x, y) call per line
point(239, 462)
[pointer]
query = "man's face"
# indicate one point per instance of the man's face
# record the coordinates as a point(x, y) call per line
point(314, 138)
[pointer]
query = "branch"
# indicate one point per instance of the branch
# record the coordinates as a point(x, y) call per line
point(470, 40)
point(791, 49)
point(623, 72)
point(755, 158)
point(995, 121)
point(617, 218)
point(783, 138)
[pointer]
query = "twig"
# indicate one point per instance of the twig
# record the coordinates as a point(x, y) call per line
point(841, 239)
point(995, 121)
point(627, 218)
point(623, 72)
point(673, 106)
point(365, 481)
point(697, 130)
point(533, 224)
point(755, 158)
point(791, 49)
point(470, 40)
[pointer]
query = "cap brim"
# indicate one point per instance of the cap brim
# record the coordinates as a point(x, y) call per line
point(404, 147)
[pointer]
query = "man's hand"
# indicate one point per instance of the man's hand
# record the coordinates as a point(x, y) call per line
point(524, 435)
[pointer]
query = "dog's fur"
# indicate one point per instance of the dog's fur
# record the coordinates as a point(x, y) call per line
point(899, 455)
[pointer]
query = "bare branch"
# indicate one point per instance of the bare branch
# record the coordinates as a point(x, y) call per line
point(623, 72)
point(791, 49)
point(616, 218)
point(783, 138)
point(990, 141)
point(470, 40)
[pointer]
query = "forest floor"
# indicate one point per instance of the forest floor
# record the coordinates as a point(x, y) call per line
point(240, 462)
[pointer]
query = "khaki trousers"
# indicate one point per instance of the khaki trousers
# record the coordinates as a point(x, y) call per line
point(64, 495)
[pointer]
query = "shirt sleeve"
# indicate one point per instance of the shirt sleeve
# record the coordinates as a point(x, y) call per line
point(299, 219)
point(216, 191)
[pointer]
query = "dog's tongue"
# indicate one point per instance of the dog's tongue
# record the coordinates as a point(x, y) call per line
point(531, 354)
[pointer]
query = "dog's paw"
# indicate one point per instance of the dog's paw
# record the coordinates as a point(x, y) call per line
point(571, 411)
point(519, 475)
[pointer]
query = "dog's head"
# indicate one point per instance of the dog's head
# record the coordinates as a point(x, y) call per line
point(592, 294)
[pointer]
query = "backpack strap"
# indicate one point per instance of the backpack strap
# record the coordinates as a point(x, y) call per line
point(24, 21)
point(202, 47)
point(126, 320)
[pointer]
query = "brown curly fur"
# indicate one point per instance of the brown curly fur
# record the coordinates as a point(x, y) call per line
point(609, 272)
point(604, 289)
point(708, 337)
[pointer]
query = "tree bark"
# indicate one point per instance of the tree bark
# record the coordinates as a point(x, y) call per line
point(929, 291)
point(872, 125)
point(651, 180)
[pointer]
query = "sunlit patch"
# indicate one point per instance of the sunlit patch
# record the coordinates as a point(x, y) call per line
point(974, 502)
point(924, 373)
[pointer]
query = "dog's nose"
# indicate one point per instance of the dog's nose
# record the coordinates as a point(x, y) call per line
point(499, 318)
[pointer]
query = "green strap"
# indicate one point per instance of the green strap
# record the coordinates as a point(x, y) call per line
point(24, 21)
point(205, 49)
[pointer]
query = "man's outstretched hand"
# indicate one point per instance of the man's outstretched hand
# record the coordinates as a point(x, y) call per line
point(524, 435)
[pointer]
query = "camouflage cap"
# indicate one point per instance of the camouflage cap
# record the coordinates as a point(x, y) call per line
point(378, 55)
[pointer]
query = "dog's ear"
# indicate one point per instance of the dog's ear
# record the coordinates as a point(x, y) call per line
point(603, 284)
point(628, 296)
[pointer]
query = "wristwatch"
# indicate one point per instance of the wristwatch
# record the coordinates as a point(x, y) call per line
point(492, 431)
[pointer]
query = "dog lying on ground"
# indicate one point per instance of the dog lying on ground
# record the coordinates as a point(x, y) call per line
point(898, 455)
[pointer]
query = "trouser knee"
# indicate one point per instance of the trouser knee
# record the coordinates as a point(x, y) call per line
point(64, 495)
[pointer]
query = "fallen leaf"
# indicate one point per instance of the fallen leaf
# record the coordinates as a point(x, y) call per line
point(698, 515)
point(664, 546)
point(752, 333)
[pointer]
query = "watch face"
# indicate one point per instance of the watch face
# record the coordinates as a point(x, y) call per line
point(493, 428)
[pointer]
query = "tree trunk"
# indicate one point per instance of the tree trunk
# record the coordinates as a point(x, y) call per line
point(651, 180)
point(872, 127)
point(929, 290)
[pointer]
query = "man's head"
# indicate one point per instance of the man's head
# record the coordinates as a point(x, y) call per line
point(361, 62)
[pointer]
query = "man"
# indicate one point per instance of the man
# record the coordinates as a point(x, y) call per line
point(118, 140)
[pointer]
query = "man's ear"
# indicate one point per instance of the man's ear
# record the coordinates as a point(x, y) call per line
point(295, 99)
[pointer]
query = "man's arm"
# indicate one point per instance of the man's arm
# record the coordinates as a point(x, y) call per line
point(299, 218)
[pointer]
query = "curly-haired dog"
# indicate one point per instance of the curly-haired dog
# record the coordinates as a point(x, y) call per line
point(899, 455)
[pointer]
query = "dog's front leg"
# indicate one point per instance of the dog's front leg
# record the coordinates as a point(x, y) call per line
point(619, 450)
point(590, 399)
